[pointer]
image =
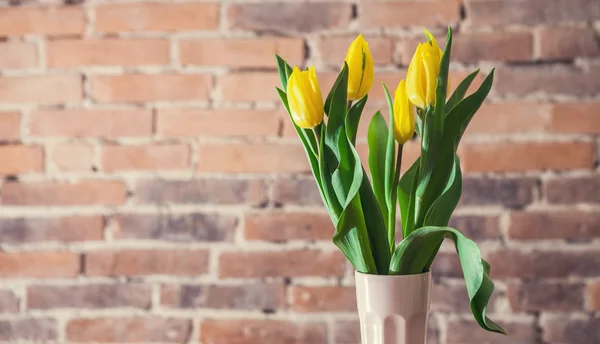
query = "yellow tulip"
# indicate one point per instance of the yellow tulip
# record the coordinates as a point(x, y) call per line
point(304, 98)
point(404, 115)
point(360, 68)
point(423, 72)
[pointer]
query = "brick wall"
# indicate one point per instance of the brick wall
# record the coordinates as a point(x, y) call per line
point(153, 190)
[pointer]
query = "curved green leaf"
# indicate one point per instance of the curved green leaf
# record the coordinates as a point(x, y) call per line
point(377, 141)
point(413, 252)
point(353, 118)
point(460, 91)
point(406, 191)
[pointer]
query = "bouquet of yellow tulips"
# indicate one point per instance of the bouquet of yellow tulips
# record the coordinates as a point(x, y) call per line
point(364, 214)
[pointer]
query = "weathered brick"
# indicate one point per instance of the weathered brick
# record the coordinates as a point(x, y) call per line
point(181, 262)
point(562, 329)
point(10, 125)
point(348, 332)
point(284, 226)
point(17, 159)
point(43, 89)
point(543, 264)
point(249, 86)
point(38, 264)
point(593, 295)
point(85, 192)
point(76, 123)
point(569, 190)
point(477, 227)
point(453, 299)
point(62, 229)
point(50, 20)
point(200, 191)
point(295, 17)
point(110, 52)
point(408, 13)
point(89, 296)
point(252, 158)
point(72, 157)
point(510, 192)
point(241, 52)
point(28, 329)
point(505, 157)
point(9, 302)
point(142, 17)
point(556, 224)
point(332, 49)
point(259, 296)
point(221, 122)
point(508, 118)
point(323, 299)
point(145, 157)
point(16, 55)
point(447, 264)
point(281, 264)
point(129, 330)
point(468, 331)
point(545, 296)
point(150, 87)
point(567, 43)
point(575, 118)
point(175, 227)
point(250, 331)
point(296, 191)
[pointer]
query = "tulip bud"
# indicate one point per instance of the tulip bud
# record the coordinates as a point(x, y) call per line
point(423, 72)
point(404, 115)
point(360, 68)
point(304, 98)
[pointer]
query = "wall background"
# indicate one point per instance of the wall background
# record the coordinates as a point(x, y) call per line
point(153, 190)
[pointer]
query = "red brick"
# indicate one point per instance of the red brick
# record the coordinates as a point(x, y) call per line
point(554, 79)
point(571, 190)
point(10, 125)
point(258, 296)
point(281, 264)
point(332, 49)
point(567, 43)
point(72, 157)
point(285, 226)
point(545, 296)
point(89, 296)
point(252, 158)
point(508, 118)
point(563, 329)
point(447, 264)
point(146, 157)
point(76, 123)
point(129, 330)
point(348, 331)
point(468, 331)
point(286, 17)
point(110, 51)
point(17, 159)
point(150, 87)
point(147, 262)
point(9, 302)
point(38, 264)
point(51, 20)
point(408, 13)
point(593, 295)
point(175, 227)
point(140, 17)
point(575, 118)
point(250, 87)
point(62, 229)
point(503, 157)
point(303, 192)
point(323, 299)
point(28, 329)
point(85, 192)
point(250, 331)
point(453, 299)
point(221, 122)
point(556, 224)
point(477, 227)
point(543, 264)
point(508, 192)
point(14, 55)
point(45, 89)
point(241, 52)
point(200, 191)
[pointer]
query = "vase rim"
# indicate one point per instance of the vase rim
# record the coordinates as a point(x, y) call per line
point(358, 273)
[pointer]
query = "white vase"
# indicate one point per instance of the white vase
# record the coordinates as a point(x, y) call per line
point(393, 309)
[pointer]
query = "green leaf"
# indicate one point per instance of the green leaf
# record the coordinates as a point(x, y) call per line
point(337, 115)
point(334, 206)
point(377, 141)
point(415, 250)
point(406, 190)
point(283, 68)
point(460, 91)
point(440, 212)
point(353, 119)
point(390, 169)
point(338, 80)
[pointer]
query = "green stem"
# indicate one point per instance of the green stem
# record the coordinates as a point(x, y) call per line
point(394, 195)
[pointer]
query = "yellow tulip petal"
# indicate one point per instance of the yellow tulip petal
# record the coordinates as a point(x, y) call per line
point(404, 115)
point(360, 68)
point(413, 81)
point(305, 103)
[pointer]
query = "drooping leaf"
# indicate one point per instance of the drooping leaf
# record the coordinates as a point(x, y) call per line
point(460, 91)
point(377, 141)
point(413, 252)
point(353, 118)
